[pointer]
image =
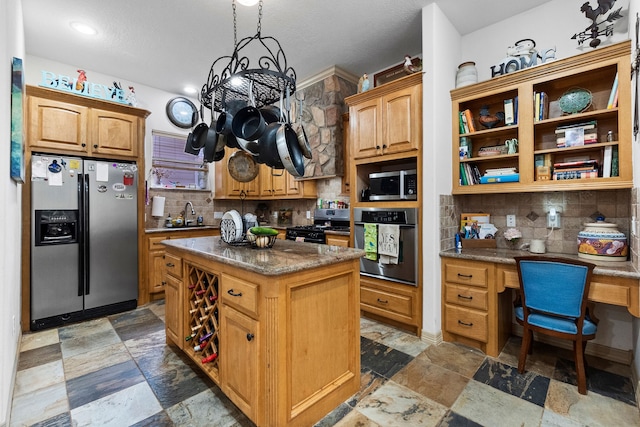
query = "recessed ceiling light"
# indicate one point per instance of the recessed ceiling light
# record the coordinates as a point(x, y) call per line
point(248, 2)
point(84, 28)
point(190, 89)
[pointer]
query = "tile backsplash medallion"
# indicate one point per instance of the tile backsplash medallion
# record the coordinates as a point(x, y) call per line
point(575, 209)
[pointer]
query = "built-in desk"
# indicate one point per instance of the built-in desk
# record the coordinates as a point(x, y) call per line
point(476, 310)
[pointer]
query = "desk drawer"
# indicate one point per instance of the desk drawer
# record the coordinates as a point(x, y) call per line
point(239, 293)
point(173, 265)
point(466, 322)
point(466, 275)
point(466, 296)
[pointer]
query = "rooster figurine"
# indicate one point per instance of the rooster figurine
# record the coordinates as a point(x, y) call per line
point(490, 120)
point(409, 68)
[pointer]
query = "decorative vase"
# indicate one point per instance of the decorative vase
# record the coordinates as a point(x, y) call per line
point(513, 244)
point(466, 74)
point(601, 241)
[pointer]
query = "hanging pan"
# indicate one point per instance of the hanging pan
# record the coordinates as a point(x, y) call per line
point(302, 135)
point(242, 167)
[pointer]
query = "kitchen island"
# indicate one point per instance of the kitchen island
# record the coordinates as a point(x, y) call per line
point(277, 329)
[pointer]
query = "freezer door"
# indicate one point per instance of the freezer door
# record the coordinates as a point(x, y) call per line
point(112, 224)
point(56, 282)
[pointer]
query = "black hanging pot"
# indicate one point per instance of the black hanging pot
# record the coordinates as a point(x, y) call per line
point(268, 149)
point(188, 148)
point(225, 119)
point(289, 150)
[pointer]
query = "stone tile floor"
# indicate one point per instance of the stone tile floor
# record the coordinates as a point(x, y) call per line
point(117, 371)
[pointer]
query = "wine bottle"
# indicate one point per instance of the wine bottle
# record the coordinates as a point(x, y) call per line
point(200, 292)
point(200, 346)
point(190, 337)
point(205, 337)
point(211, 358)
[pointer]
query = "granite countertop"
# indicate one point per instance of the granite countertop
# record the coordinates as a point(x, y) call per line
point(505, 256)
point(286, 256)
point(193, 227)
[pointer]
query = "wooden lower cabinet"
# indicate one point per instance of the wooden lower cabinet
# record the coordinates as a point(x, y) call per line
point(337, 240)
point(239, 362)
point(287, 346)
point(391, 302)
point(173, 313)
point(154, 256)
point(473, 312)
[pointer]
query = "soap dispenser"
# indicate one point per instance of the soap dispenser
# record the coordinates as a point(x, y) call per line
point(169, 221)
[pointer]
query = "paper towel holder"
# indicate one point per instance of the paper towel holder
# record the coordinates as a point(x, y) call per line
point(157, 206)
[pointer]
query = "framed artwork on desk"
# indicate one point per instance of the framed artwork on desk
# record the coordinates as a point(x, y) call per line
point(17, 121)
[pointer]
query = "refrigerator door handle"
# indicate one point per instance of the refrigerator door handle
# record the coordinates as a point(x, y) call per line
point(85, 234)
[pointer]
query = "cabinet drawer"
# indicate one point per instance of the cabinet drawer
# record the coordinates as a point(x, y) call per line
point(466, 296)
point(466, 322)
point(173, 265)
point(394, 303)
point(466, 275)
point(154, 242)
point(239, 293)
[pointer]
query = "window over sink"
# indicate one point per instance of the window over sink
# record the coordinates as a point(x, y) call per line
point(173, 168)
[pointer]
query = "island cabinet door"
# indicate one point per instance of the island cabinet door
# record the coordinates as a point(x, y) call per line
point(239, 344)
point(173, 310)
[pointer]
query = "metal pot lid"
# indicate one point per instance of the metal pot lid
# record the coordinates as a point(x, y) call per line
point(242, 167)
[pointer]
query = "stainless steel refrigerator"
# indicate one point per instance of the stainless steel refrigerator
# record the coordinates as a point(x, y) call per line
point(84, 244)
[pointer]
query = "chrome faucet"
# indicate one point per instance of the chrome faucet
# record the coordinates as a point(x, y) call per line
point(193, 212)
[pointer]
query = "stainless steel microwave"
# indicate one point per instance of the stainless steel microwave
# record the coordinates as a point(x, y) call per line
point(396, 185)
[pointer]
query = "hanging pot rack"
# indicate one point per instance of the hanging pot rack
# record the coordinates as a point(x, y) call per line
point(272, 78)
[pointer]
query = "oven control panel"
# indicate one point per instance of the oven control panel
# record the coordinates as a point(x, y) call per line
point(384, 217)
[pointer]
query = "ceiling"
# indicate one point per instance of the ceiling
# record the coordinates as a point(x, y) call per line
point(169, 44)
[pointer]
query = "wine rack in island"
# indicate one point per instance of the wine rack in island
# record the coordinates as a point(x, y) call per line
point(560, 126)
point(202, 299)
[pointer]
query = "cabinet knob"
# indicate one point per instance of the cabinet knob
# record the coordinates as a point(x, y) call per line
point(233, 294)
point(384, 146)
point(465, 297)
point(377, 147)
point(83, 144)
point(250, 336)
point(163, 283)
point(170, 264)
point(95, 145)
point(469, 324)
point(381, 301)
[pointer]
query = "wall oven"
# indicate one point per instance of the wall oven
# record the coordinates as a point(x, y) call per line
point(406, 269)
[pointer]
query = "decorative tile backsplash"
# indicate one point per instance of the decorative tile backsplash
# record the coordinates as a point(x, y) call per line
point(530, 209)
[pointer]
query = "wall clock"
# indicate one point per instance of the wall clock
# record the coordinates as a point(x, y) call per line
point(182, 112)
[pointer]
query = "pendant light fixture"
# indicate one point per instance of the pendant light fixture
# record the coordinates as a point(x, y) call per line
point(231, 77)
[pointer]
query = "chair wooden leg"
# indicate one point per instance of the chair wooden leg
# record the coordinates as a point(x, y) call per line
point(580, 371)
point(524, 349)
point(530, 346)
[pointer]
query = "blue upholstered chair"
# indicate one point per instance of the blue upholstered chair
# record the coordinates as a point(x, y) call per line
point(553, 301)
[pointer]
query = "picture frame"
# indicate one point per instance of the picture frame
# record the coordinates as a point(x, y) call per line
point(17, 121)
point(393, 73)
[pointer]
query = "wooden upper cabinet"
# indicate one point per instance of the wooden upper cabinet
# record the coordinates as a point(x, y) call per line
point(269, 184)
point(273, 182)
point(386, 120)
point(58, 125)
point(113, 133)
point(70, 124)
point(346, 142)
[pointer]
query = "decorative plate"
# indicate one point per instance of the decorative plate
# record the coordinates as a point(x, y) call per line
point(575, 100)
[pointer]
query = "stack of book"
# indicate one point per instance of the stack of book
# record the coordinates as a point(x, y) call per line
point(575, 170)
point(541, 106)
point(511, 111)
point(467, 124)
point(492, 176)
point(577, 134)
point(469, 174)
point(613, 95)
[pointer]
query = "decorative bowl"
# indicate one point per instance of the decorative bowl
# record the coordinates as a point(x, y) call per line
point(602, 241)
point(575, 100)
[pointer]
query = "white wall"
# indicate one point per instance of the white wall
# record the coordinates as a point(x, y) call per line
point(549, 26)
point(439, 61)
point(11, 45)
